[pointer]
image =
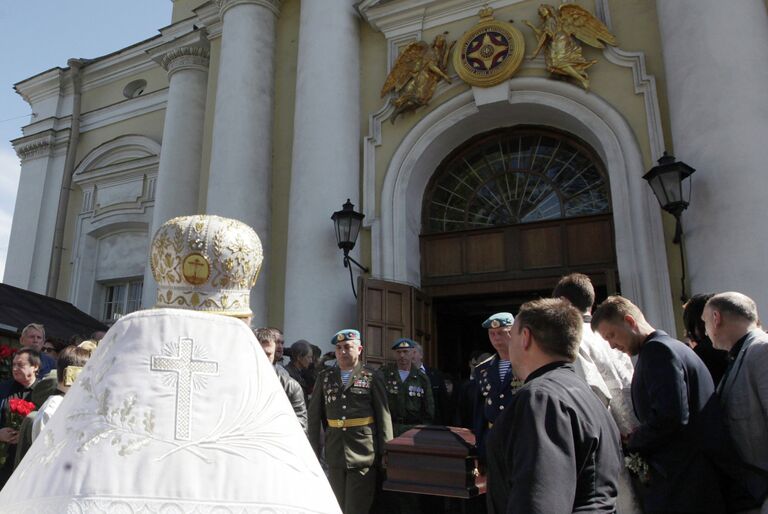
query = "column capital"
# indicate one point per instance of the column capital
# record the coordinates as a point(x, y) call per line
point(190, 51)
point(32, 147)
point(185, 57)
point(225, 5)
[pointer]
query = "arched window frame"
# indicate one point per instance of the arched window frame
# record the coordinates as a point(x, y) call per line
point(473, 145)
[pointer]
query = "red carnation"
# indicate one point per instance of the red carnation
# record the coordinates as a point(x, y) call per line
point(18, 409)
point(21, 407)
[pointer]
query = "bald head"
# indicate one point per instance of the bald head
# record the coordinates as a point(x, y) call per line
point(728, 317)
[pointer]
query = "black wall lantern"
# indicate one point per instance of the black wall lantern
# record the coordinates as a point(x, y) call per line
point(667, 181)
point(347, 223)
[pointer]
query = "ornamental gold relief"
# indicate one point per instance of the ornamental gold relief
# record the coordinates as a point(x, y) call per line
point(489, 53)
point(559, 34)
point(416, 73)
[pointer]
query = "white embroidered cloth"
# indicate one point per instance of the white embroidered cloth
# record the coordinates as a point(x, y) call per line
point(176, 412)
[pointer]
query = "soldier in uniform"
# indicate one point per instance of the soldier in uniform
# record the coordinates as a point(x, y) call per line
point(409, 392)
point(495, 379)
point(350, 402)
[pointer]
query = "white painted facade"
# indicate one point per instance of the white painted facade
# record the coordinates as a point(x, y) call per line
point(212, 85)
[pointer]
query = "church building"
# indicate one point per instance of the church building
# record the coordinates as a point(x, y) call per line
point(491, 145)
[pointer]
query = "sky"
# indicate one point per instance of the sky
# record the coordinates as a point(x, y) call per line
point(37, 35)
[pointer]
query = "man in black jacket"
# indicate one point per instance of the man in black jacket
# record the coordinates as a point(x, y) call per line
point(268, 338)
point(680, 428)
point(555, 449)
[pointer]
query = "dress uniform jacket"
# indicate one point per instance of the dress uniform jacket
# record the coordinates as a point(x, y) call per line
point(491, 398)
point(410, 401)
point(333, 404)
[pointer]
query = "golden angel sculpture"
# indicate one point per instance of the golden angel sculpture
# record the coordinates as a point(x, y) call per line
point(416, 73)
point(557, 31)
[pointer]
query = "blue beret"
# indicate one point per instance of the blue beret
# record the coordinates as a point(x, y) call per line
point(500, 319)
point(403, 344)
point(348, 334)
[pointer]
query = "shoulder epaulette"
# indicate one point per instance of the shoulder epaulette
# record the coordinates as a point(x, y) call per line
point(486, 361)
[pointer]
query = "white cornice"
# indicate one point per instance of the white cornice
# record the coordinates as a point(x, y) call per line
point(117, 112)
point(209, 17)
point(406, 16)
point(43, 144)
point(41, 86)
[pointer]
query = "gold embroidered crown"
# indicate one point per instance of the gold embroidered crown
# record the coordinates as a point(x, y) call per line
point(206, 263)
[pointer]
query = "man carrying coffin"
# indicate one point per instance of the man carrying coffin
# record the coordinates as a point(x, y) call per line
point(350, 401)
point(409, 392)
point(555, 449)
point(495, 379)
point(178, 409)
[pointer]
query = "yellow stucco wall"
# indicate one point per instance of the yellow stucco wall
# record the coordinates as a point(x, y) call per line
point(286, 54)
point(183, 9)
point(150, 125)
point(636, 26)
point(634, 23)
point(112, 93)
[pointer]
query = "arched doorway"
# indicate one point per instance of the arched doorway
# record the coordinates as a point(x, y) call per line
point(395, 212)
point(504, 216)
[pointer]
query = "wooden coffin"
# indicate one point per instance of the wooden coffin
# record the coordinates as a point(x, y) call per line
point(435, 460)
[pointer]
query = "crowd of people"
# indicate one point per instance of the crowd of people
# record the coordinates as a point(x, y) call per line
point(42, 372)
point(575, 411)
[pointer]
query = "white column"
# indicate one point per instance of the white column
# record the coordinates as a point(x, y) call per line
point(178, 176)
point(239, 185)
point(325, 170)
point(717, 82)
point(34, 216)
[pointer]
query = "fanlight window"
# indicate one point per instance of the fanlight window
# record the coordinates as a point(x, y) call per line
point(515, 176)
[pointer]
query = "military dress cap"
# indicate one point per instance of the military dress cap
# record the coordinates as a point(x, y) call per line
point(500, 319)
point(404, 344)
point(348, 334)
point(206, 263)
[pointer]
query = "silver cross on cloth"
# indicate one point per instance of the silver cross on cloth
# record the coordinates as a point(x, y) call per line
point(185, 367)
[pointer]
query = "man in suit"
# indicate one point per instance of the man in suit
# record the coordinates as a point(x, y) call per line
point(673, 397)
point(350, 401)
point(555, 448)
point(730, 320)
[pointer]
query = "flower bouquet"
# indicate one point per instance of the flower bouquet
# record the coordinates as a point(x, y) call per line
point(18, 409)
point(6, 361)
point(638, 467)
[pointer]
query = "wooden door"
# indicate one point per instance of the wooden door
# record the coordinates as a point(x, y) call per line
point(388, 311)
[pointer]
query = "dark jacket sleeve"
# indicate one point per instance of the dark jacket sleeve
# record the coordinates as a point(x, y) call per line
point(296, 396)
point(316, 416)
point(429, 404)
point(381, 413)
point(664, 386)
point(541, 453)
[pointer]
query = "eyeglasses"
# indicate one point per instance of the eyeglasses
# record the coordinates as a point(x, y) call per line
point(48, 349)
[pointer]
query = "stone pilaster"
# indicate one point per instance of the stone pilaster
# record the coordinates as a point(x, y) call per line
point(178, 178)
point(325, 169)
point(717, 76)
point(239, 183)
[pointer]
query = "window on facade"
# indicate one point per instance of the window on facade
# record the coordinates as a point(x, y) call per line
point(515, 176)
point(122, 298)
